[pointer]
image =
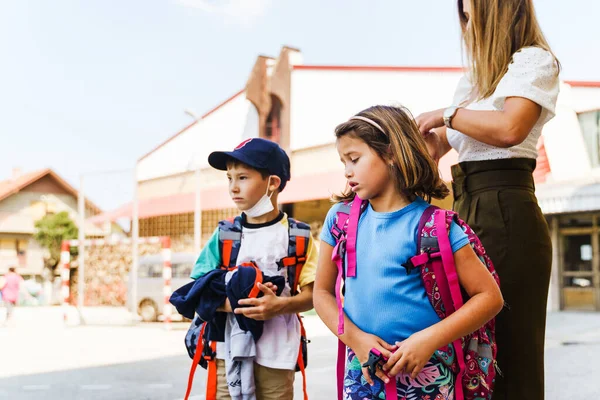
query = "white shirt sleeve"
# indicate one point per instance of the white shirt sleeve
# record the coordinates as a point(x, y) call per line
point(532, 74)
point(463, 91)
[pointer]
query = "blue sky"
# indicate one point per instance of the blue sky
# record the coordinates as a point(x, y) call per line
point(92, 85)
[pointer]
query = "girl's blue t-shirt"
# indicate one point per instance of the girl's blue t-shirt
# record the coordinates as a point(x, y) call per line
point(382, 299)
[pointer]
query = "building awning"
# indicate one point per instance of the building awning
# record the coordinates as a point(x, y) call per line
point(562, 198)
point(302, 188)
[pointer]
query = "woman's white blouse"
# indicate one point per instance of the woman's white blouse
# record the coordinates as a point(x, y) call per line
point(532, 74)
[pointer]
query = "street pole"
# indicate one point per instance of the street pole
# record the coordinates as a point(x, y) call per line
point(198, 200)
point(81, 248)
point(134, 244)
point(198, 213)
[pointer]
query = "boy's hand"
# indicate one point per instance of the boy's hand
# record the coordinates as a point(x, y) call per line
point(262, 308)
point(412, 355)
point(364, 343)
point(271, 286)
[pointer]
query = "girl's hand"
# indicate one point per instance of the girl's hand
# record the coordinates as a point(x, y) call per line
point(430, 120)
point(412, 355)
point(364, 343)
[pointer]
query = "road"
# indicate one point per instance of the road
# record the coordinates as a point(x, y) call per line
point(112, 359)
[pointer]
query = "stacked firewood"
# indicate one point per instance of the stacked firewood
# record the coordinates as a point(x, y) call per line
point(107, 273)
point(107, 270)
point(183, 244)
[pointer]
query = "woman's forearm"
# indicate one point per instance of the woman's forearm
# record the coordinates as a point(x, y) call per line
point(489, 127)
point(505, 128)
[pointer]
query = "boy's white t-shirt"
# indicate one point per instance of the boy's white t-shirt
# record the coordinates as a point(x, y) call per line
point(265, 244)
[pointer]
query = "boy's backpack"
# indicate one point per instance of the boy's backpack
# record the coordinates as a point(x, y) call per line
point(471, 358)
point(202, 350)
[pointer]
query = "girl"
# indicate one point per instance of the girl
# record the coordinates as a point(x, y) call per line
point(500, 108)
point(386, 162)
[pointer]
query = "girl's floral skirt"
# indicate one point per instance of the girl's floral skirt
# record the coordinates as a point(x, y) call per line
point(434, 382)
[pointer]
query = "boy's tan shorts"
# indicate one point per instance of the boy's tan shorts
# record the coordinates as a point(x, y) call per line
point(271, 383)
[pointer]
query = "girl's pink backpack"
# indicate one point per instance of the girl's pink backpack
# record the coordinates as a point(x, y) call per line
point(472, 358)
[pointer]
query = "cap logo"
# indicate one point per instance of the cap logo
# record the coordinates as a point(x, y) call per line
point(245, 142)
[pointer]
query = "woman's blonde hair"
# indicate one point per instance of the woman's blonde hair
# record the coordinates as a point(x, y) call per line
point(414, 172)
point(498, 29)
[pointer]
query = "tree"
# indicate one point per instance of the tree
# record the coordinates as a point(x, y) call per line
point(51, 230)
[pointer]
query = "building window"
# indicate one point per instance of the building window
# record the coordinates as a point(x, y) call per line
point(590, 127)
point(273, 127)
point(21, 247)
point(180, 227)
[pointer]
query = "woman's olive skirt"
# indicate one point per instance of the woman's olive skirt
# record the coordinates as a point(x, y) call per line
point(497, 199)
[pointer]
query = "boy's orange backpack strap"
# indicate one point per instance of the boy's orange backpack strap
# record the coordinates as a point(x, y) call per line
point(230, 239)
point(299, 235)
point(301, 363)
point(211, 386)
point(230, 236)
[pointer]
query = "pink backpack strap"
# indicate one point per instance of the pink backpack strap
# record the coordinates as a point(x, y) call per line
point(340, 369)
point(339, 231)
point(391, 391)
point(355, 211)
point(345, 231)
point(341, 356)
point(442, 220)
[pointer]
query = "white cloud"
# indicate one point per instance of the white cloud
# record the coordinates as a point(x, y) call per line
point(244, 12)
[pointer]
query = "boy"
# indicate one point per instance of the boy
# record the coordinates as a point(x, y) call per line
point(258, 171)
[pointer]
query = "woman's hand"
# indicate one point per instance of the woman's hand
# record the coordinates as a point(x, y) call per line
point(430, 120)
point(362, 344)
point(412, 355)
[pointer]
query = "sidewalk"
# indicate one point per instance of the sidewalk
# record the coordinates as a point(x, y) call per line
point(72, 355)
point(571, 327)
point(561, 327)
point(572, 351)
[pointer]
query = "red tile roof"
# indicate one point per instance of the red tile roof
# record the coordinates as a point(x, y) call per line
point(10, 187)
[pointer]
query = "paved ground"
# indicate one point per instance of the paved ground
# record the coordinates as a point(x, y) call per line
point(112, 359)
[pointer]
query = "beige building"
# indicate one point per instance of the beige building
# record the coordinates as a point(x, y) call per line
point(570, 198)
point(299, 105)
point(24, 199)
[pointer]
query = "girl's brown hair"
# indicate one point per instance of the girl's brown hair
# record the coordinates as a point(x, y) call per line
point(498, 29)
point(414, 172)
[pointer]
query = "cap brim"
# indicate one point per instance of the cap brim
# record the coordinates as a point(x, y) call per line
point(218, 159)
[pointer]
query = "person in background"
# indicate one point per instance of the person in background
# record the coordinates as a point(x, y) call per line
point(10, 291)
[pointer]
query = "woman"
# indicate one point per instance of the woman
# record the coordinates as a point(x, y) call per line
point(499, 110)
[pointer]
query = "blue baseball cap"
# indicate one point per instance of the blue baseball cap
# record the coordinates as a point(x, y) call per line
point(257, 153)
